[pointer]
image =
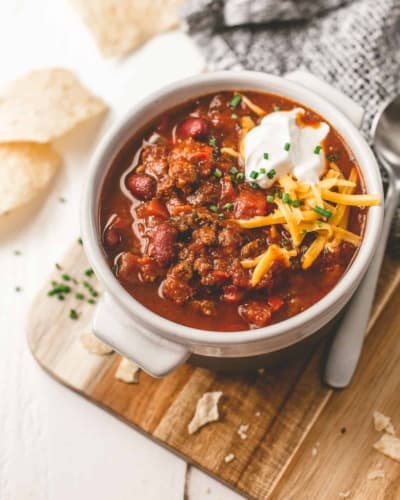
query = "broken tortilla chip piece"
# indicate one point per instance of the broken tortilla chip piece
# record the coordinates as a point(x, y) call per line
point(382, 422)
point(25, 169)
point(120, 26)
point(127, 371)
point(94, 345)
point(389, 446)
point(206, 411)
point(44, 105)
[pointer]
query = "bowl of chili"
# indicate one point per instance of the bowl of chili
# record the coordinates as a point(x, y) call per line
point(229, 217)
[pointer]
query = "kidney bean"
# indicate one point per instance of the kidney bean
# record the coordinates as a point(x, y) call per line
point(142, 186)
point(162, 247)
point(196, 128)
point(112, 237)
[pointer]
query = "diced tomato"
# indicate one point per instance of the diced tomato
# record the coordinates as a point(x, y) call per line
point(156, 208)
point(228, 193)
point(275, 302)
point(232, 294)
point(181, 209)
point(250, 203)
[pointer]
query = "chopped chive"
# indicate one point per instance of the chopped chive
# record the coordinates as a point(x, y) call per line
point(17, 252)
point(235, 101)
point(58, 266)
point(323, 212)
point(59, 289)
point(62, 200)
point(270, 198)
point(271, 173)
point(266, 156)
point(217, 173)
point(60, 296)
point(89, 272)
point(277, 108)
point(91, 301)
point(213, 208)
point(80, 241)
point(296, 203)
point(262, 170)
point(73, 314)
point(253, 174)
point(317, 149)
point(254, 185)
point(240, 176)
point(212, 141)
point(286, 198)
point(79, 296)
point(221, 216)
point(54, 283)
point(233, 170)
point(18, 289)
point(66, 277)
point(234, 116)
point(286, 147)
point(228, 206)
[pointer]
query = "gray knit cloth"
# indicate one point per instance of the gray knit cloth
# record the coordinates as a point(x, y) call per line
point(354, 45)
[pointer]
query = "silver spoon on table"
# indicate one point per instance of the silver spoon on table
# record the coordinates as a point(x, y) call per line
point(346, 347)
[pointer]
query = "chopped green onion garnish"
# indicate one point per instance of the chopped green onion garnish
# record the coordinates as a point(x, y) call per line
point(62, 200)
point(286, 147)
point(262, 170)
point(233, 171)
point(66, 277)
point(91, 301)
point(254, 185)
point(323, 212)
point(73, 314)
point(18, 288)
point(59, 289)
point(221, 216)
point(80, 241)
point(266, 156)
point(253, 174)
point(277, 108)
point(58, 266)
point(270, 198)
point(286, 198)
point(213, 208)
point(17, 252)
point(212, 141)
point(60, 297)
point(217, 173)
point(271, 173)
point(89, 272)
point(317, 149)
point(228, 206)
point(235, 101)
point(240, 176)
point(79, 296)
point(234, 116)
point(296, 203)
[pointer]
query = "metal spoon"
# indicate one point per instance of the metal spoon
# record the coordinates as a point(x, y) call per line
point(346, 347)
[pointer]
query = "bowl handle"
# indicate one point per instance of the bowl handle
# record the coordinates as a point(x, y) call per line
point(153, 354)
point(341, 101)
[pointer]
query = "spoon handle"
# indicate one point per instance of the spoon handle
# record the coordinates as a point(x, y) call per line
point(346, 347)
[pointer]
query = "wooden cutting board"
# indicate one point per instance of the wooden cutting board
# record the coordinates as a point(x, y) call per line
point(304, 440)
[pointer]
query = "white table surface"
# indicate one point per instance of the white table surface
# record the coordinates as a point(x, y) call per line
point(53, 444)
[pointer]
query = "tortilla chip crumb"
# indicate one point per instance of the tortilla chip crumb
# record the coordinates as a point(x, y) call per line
point(376, 474)
point(242, 431)
point(206, 411)
point(345, 494)
point(383, 423)
point(127, 371)
point(229, 458)
point(94, 345)
point(389, 446)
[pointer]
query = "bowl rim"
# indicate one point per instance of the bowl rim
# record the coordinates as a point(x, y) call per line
point(111, 143)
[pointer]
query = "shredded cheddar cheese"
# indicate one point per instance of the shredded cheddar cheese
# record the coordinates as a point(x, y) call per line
point(265, 261)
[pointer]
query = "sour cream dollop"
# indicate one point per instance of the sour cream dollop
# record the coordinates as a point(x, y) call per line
point(280, 145)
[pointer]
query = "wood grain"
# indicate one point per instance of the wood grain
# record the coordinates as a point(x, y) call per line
point(287, 409)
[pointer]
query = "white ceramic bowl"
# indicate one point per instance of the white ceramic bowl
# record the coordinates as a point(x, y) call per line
point(159, 345)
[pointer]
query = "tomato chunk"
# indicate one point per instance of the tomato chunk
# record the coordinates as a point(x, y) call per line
point(155, 208)
point(275, 302)
point(250, 203)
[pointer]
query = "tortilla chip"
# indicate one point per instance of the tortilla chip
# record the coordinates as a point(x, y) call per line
point(127, 371)
point(94, 345)
point(25, 169)
point(382, 422)
point(44, 105)
point(389, 446)
point(206, 411)
point(120, 26)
